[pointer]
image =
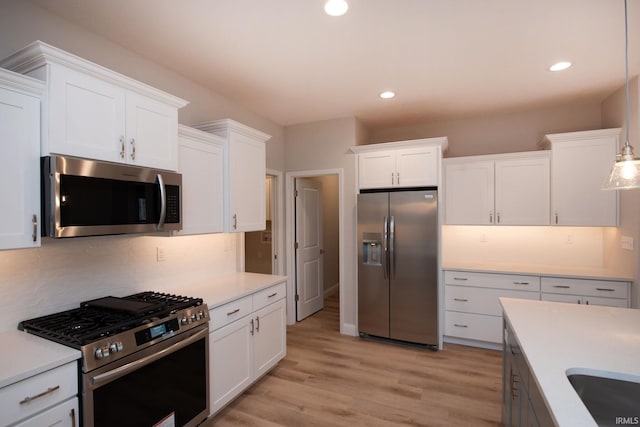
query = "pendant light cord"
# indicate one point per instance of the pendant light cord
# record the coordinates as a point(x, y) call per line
point(626, 57)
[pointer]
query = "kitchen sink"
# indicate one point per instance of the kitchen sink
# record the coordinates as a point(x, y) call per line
point(611, 402)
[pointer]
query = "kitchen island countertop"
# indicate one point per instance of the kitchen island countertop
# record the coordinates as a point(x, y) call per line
point(559, 339)
point(221, 290)
point(23, 355)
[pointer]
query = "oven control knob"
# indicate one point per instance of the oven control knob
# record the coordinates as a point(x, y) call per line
point(201, 315)
point(184, 320)
point(102, 352)
point(115, 347)
point(194, 318)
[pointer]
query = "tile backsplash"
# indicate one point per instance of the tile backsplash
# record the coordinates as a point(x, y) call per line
point(64, 272)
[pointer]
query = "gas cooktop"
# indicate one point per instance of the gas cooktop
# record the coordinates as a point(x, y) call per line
point(104, 317)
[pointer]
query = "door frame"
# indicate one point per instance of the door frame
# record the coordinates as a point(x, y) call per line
point(290, 222)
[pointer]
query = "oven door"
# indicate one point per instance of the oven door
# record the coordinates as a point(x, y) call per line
point(166, 384)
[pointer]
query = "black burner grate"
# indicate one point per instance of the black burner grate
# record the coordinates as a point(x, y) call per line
point(100, 318)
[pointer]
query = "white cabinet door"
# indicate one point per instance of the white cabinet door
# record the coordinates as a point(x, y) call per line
point(377, 169)
point(63, 415)
point(247, 174)
point(151, 133)
point(201, 163)
point(270, 337)
point(580, 163)
point(19, 176)
point(231, 363)
point(417, 167)
point(469, 193)
point(85, 116)
point(522, 191)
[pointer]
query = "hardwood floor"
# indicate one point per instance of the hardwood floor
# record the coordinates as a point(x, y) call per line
point(328, 379)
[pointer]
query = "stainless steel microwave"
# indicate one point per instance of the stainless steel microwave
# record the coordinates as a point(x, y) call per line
point(90, 198)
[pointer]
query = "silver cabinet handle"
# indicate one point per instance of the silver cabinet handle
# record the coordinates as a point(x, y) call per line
point(458, 325)
point(460, 278)
point(257, 323)
point(498, 217)
point(235, 221)
point(562, 286)
point(233, 312)
point(556, 218)
point(252, 327)
point(605, 289)
point(461, 299)
point(398, 178)
point(39, 395)
point(133, 148)
point(521, 283)
point(392, 178)
point(122, 151)
point(72, 414)
point(34, 220)
point(490, 217)
point(272, 295)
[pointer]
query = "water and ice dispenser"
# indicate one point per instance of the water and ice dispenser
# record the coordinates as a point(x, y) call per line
point(372, 251)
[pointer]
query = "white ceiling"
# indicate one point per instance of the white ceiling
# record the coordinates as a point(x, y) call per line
point(289, 62)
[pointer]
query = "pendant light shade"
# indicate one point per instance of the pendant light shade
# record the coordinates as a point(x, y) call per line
point(625, 173)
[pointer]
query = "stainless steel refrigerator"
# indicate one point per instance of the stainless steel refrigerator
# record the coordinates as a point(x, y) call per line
point(398, 265)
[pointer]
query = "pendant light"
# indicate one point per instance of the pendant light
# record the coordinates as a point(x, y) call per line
point(625, 173)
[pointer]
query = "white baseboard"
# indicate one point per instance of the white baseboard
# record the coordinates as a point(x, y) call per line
point(473, 343)
point(349, 329)
point(332, 290)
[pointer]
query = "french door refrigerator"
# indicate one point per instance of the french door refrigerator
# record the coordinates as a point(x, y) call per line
point(398, 265)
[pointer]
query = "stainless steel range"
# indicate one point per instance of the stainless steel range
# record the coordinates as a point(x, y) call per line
point(144, 358)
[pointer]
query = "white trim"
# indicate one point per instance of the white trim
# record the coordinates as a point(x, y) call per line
point(224, 127)
point(20, 83)
point(441, 141)
point(331, 290)
point(573, 136)
point(472, 343)
point(346, 329)
point(278, 214)
point(38, 53)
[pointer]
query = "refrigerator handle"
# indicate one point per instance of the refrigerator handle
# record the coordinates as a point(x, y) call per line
point(392, 246)
point(385, 260)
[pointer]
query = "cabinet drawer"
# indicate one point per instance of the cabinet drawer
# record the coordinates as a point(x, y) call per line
point(473, 326)
point(481, 300)
point(227, 313)
point(489, 280)
point(598, 288)
point(29, 396)
point(63, 415)
point(269, 295)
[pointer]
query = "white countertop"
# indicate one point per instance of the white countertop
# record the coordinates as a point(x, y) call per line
point(542, 270)
point(23, 355)
point(221, 290)
point(558, 338)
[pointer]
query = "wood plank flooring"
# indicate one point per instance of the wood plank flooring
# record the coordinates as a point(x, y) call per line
point(328, 379)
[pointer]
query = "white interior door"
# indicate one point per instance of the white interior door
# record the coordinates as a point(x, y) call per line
point(309, 280)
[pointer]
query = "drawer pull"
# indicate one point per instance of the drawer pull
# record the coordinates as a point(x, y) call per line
point(461, 299)
point(233, 312)
point(458, 325)
point(460, 278)
point(521, 283)
point(38, 396)
point(561, 286)
point(605, 289)
point(272, 295)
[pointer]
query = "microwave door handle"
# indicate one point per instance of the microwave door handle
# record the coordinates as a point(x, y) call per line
point(163, 202)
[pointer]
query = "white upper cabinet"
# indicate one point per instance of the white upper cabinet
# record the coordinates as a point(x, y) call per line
point(92, 112)
point(201, 157)
point(20, 149)
point(414, 163)
point(580, 163)
point(245, 174)
point(511, 189)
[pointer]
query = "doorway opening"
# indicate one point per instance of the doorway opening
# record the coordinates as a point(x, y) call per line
point(262, 248)
point(314, 248)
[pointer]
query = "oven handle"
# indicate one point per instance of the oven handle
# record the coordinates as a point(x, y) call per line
point(129, 367)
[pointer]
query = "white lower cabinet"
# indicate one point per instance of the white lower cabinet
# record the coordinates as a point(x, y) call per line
point(586, 291)
point(248, 338)
point(46, 399)
point(472, 305)
point(473, 312)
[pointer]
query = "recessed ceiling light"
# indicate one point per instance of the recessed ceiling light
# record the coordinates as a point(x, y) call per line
point(387, 94)
point(559, 66)
point(336, 7)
